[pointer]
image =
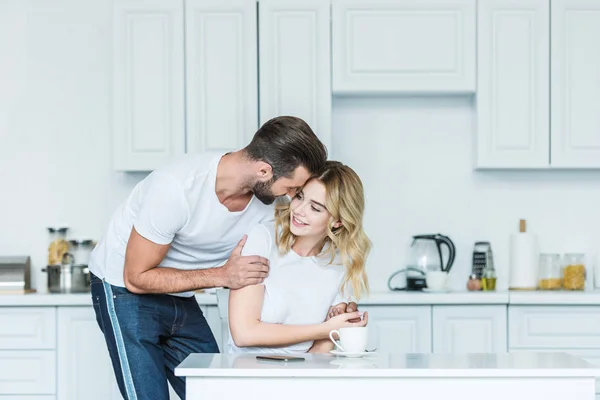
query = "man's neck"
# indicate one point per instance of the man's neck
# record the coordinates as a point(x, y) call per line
point(232, 179)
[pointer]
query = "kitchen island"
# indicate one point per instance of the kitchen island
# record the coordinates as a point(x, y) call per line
point(514, 376)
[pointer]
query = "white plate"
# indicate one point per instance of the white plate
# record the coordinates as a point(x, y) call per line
point(350, 354)
point(427, 290)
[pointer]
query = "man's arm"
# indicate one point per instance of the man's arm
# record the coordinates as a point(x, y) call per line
point(142, 275)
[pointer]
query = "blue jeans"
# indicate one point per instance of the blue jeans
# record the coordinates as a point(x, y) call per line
point(148, 336)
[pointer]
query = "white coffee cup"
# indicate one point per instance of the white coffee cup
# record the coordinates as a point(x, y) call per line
point(352, 340)
point(436, 280)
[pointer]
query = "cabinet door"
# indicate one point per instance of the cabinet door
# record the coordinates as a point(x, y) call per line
point(512, 84)
point(83, 360)
point(295, 62)
point(472, 329)
point(84, 367)
point(575, 87)
point(221, 74)
point(148, 76)
point(399, 329)
point(403, 46)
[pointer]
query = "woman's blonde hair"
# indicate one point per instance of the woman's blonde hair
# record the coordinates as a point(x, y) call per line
point(345, 201)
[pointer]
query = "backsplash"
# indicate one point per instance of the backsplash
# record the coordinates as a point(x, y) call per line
point(415, 157)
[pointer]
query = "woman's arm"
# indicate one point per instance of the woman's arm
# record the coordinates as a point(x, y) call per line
point(245, 306)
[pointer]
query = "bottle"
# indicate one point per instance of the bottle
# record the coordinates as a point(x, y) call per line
point(488, 275)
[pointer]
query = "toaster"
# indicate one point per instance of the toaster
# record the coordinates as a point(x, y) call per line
point(15, 274)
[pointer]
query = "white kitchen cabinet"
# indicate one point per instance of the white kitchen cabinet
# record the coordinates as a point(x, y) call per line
point(399, 329)
point(27, 328)
point(221, 74)
point(27, 372)
point(148, 83)
point(473, 329)
point(513, 113)
point(575, 83)
point(84, 366)
point(295, 62)
point(564, 327)
point(83, 360)
point(185, 79)
point(395, 46)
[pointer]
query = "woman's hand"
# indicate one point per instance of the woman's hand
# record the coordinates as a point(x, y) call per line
point(342, 320)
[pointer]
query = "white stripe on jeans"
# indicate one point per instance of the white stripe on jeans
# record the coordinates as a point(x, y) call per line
point(114, 322)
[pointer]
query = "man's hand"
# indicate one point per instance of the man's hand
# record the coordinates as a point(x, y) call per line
point(342, 308)
point(240, 271)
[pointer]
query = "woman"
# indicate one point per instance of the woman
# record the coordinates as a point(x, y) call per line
point(317, 250)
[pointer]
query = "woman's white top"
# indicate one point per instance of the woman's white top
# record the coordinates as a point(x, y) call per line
point(298, 291)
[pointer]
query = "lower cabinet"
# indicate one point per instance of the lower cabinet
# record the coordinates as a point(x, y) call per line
point(84, 367)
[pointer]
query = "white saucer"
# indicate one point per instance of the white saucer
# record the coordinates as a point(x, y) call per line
point(350, 354)
point(427, 290)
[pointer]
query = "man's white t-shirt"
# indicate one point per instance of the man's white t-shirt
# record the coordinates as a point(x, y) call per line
point(177, 204)
point(298, 291)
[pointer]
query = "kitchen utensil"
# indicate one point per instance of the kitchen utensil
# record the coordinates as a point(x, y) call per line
point(67, 277)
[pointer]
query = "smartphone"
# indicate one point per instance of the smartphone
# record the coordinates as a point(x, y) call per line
point(280, 358)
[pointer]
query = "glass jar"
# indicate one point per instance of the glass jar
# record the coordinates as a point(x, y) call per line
point(549, 272)
point(81, 250)
point(57, 245)
point(574, 271)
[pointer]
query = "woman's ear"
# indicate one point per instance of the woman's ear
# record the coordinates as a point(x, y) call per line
point(264, 171)
point(336, 225)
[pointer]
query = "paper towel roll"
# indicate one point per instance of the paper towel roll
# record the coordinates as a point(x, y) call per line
point(524, 261)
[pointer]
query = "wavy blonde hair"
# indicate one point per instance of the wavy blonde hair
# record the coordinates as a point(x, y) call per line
point(345, 201)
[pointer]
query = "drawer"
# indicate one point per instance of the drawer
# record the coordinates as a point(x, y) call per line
point(27, 372)
point(27, 328)
point(27, 397)
point(565, 327)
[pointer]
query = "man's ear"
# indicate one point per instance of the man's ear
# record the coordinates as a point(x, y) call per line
point(264, 171)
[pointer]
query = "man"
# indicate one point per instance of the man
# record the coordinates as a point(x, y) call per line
point(178, 231)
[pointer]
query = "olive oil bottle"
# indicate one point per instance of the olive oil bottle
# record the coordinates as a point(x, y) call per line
point(488, 275)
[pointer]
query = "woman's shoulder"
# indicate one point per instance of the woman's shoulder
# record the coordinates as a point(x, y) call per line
point(260, 240)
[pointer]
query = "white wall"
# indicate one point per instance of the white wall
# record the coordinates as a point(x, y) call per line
point(414, 155)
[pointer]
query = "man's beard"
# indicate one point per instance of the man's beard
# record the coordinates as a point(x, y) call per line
point(262, 191)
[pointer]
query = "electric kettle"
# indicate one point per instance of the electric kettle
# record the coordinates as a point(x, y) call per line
point(425, 254)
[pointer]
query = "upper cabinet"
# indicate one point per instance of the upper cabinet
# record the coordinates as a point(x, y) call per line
point(295, 62)
point(221, 68)
point(575, 83)
point(187, 73)
point(148, 83)
point(538, 84)
point(403, 46)
point(513, 110)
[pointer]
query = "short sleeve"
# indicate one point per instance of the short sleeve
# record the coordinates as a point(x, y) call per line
point(347, 297)
point(163, 210)
point(258, 242)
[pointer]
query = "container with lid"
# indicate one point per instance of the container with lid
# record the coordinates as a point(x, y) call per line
point(549, 272)
point(57, 244)
point(81, 250)
point(574, 271)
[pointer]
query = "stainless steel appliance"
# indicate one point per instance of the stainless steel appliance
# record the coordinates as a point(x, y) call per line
point(68, 277)
point(425, 254)
point(15, 274)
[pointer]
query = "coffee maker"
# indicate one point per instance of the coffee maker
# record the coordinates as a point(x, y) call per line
point(425, 254)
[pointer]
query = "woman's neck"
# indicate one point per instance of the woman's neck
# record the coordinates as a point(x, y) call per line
point(307, 246)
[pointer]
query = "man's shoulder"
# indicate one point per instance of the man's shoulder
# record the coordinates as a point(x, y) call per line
point(189, 165)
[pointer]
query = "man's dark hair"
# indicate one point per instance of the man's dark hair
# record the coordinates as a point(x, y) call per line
point(286, 143)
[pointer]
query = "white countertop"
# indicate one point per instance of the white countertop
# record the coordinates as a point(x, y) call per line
point(376, 298)
point(522, 364)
